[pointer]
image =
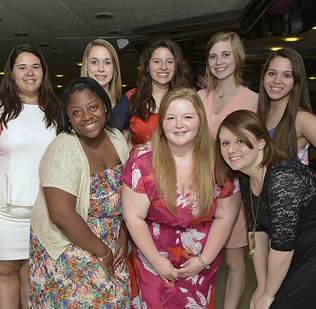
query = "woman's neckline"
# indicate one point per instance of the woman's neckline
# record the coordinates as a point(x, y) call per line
point(241, 88)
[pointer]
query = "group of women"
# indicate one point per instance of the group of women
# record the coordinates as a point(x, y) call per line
point(149, 157)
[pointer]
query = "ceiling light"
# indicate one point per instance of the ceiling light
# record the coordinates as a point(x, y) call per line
point(59, 75)
point(292, 39)
point(121, 43)
point(59, 86)
point(104, 15)
point(1, 73)
point(312, 77)
point(275, 48)
point(79, 64)
point(124, 85)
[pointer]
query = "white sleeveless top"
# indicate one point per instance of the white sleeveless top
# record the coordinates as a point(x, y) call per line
point(22, 145)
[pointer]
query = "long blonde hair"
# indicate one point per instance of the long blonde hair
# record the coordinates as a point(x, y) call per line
point(115, 87)
point(203, 156)
point(238, 51)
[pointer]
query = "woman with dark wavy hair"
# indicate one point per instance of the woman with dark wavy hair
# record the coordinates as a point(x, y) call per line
point(28, 119)
point(162, 68)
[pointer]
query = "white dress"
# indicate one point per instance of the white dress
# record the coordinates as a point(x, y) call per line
point(22, 145)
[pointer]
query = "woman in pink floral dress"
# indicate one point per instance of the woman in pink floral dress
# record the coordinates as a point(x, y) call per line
point(179, 219)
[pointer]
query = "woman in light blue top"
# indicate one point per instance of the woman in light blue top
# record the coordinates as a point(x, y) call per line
point(284, 104)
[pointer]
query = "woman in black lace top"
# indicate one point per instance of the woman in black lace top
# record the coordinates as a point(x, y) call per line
point(279, 195)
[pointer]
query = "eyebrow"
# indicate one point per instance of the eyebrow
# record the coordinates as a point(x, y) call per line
point(224, 51)
point(21, 64)
point(188, 113)
point(109, 58)
point(280, 71)
point(92, 101)
point(163, 58)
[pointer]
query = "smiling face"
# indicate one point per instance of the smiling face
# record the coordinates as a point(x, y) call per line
point(221, 61)
point(27, 73)
point(86, 112)
point(100, 66)
point(237, 154)
point(181, 123)
point(278, 79)
point(161, 66)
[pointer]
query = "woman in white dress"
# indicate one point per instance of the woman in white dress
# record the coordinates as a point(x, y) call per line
point(29, 111)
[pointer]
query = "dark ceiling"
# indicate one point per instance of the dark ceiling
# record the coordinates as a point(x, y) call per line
point(62, 29)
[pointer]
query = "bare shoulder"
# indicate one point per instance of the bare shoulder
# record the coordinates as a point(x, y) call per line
point(305, 123)
point(203, 93)
point(304, 118)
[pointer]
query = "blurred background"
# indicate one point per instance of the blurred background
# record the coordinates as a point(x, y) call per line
point(62, 29)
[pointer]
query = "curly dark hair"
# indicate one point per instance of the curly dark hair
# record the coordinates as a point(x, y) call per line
point(79, 84)
point(142, 102)
point(10, 102)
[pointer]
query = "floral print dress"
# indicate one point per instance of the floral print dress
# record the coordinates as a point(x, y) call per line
point(76, 279)
point(176, 237)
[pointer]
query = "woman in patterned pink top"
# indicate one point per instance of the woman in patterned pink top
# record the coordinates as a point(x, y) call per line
point(178, 218)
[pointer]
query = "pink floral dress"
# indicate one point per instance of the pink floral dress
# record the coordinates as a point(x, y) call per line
point(76, 279)
point(176, 237)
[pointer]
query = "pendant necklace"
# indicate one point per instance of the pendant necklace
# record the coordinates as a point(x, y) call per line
point(252, 244)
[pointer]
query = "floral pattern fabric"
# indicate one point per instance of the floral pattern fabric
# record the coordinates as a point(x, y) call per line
point(176, 237)
point(76, 279)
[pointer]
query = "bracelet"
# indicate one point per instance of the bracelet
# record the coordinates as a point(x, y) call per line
point(101, 258)
point(202, 262)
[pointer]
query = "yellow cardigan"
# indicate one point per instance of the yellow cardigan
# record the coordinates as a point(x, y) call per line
point(66, 167)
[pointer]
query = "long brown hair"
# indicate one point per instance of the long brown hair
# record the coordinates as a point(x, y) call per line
point(285, 132)
point(238, 51)
point(238, 123)
point(10, 102)
point(203, 156)
point(142, 102)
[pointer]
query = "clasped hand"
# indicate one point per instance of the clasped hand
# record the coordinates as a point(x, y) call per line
point(260, 301)
point(188, 270)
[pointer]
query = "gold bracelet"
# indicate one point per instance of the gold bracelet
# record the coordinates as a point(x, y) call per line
point(202, 262)
point(101, 258)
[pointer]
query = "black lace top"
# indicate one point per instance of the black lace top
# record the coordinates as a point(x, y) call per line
point(287, 205)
